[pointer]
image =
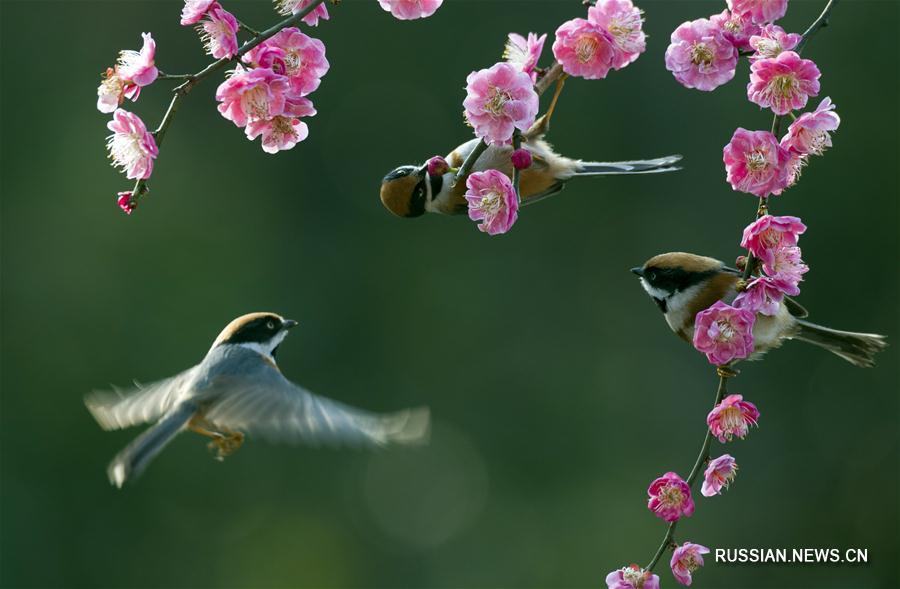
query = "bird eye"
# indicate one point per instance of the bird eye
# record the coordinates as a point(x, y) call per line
point(651, 276)
point(270, 325)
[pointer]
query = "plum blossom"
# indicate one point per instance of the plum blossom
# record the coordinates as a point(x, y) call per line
point(732, 417)
point(521, 159)
point(686, 559)
point(585, 49)
point(771, 41)
point(278, 133)
point(737, 28)
point(411, 9)
point(498, 101)
point(759, 11)
point(492, 200)
point(624, 21)
point(524, 53)
point(768, 234)
point(287, 7)
point(219, 33)
point(724, 333)
point(295, 55)
point(670, 498)
point(139, 67)
point(786, 270)
point(125, 202)
point(809, 133)
point(755, 163)
point(131, 147)
point(194, 10)
point(783, 83)
point(255, 95)
point(718, 475)
point(437, 166)
point(700, 56)
point(113, 90)
point(763, 295)
point(632, 577)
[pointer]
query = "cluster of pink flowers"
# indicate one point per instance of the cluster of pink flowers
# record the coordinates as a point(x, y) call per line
point(611, 37)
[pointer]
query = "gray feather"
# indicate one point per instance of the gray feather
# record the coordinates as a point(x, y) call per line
point(857, 348)
point(654, 166)
point(118, 409)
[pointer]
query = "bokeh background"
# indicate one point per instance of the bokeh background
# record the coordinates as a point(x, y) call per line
point(558, 393)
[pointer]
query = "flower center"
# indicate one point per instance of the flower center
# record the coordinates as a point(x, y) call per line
point(701, 54)
point(633, 576)
point(726, 330)
point(732, 420)
point(769, 48)
point(671, 496)
point(491, 202)
point(770, 238)
point(783, 86)
point(255, 102)
point(690, 562)
point(495, 103)
point(292, 62)
point(586, 47)
point(757, 160)
point(126, 148)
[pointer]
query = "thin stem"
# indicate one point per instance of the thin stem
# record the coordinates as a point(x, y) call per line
point(164, 76)
point(818, 24)
point(548, 78)
point(247, 27)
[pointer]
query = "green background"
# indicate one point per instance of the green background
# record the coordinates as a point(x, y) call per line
point(558, 392)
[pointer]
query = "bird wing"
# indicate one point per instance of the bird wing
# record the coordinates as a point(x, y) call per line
point(264, 402)
point(121, 408)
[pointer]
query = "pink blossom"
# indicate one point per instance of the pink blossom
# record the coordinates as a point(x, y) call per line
point(760, 11)
point(287, 7)
point(771, 41)
point(795, 165)
point(768, 234)
point(278, 133)
point(718, 475)
point(194, 10)
point(763, 295)
point(219, 33)
point(724, 333)
point(632, 577)
point(498, 101)
point(670, 498)
point(291, 53)
point(411, 9)
point(139, 67)
point(624, 21)
point(700, 56)
point(787, 270)
point(123, 199)
point(131, 147)
point(113, 90)
point(755, 163)
point(585, 49)
point(255, 95)
point(732, 417)
point(737, 28)
point(809, 133)
point(783, 83)
point(492, 200)
point(686, 559)
point(521, 159)
point(437, 166)
point(524, 53)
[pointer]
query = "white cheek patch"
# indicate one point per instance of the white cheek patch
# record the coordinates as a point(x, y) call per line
point(266, 348)
point(656, 293)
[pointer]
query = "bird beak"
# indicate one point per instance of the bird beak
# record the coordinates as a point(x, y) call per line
point(639, 271)
point(288, 323)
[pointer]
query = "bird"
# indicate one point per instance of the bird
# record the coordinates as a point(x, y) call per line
point(410, 191)
point(683, 284)
point(238, 389)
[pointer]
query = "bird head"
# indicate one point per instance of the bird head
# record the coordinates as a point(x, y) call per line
point(667, 275)
point(404, 191)
point(262, 332)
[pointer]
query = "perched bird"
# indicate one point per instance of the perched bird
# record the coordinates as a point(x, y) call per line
point(684, 284)
point(410, 191)
point(236, 389)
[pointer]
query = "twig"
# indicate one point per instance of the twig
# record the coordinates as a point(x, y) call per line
point(548, 78)
point(819, 23)
point(248, 28)
point(517, 173)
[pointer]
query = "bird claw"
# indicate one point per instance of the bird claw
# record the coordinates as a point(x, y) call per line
point(225, 445)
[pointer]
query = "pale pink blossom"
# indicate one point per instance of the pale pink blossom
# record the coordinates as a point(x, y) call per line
point(795, 165)
point(768, 234)
point(255, 95)
point(809, 134)
point(763, 295)
point(287, 7)
point(295, 55)
point(760, 11)
point(278, 133)
point(786, 269)
point(521, 159)
point(737, 28)
point(686, 559)
point(125, 202)
point(670, 498)
point(624, 21)
point(139, 67)
point(771, 41)
point(524, 53)
point(732, 417)
point(194, 10)
point(492, 200)
point(437, 166)
point(700, 56)
point(632, 577)
point(131, 146)
point(585, 49)
point(718, 475)
point(498, 101)
point(783, 83)
point(219, 33)
point(411, 9)
point(724, 333)
point(113, 90)
point(755, 163)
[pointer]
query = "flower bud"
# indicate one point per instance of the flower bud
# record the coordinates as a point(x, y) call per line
point(521, 159)
point(437, 166)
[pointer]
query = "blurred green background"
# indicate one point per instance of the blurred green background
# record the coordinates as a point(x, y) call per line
point(557, 390)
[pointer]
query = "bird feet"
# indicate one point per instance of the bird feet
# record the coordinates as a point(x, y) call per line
point(225, 444)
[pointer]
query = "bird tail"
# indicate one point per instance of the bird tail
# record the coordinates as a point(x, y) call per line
point(134, 458)
point(655, 166)
point(409, 427)
point(857, 348)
